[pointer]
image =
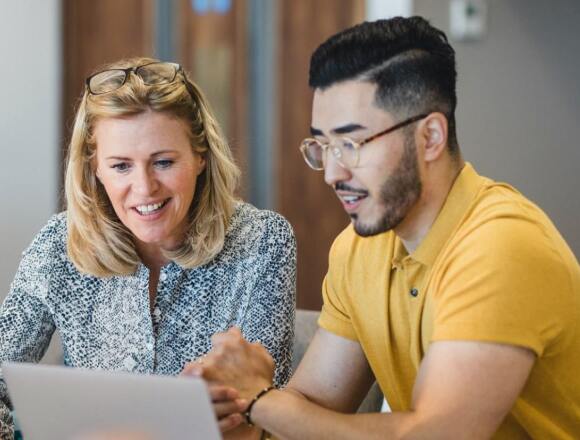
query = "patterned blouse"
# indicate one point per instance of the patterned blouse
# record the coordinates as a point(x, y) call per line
point(106, 323)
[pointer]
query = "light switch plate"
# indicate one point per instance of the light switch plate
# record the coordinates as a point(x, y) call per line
point(468, 19)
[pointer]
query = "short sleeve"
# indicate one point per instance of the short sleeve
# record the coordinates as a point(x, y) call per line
point(335, 315)
point(502, 282)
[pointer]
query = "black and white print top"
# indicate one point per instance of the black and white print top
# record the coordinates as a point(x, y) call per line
point(107, 324)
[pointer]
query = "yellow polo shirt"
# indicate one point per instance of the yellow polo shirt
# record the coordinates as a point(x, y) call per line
point(492, 268)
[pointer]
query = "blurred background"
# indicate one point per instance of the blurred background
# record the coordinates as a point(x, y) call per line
point(518, 90)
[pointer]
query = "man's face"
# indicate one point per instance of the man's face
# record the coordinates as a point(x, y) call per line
point(381, 190)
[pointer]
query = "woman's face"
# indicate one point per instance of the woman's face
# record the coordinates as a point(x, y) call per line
point(149, 171)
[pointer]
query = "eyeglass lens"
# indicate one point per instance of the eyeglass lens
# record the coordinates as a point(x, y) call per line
point(157, 73)
point(151, 74)
point(343, 150)
point(313, 153)
point(107, 81)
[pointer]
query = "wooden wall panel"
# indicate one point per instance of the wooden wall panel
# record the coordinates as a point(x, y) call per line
point(97, 32)
point(212, 47)
point(303, 197)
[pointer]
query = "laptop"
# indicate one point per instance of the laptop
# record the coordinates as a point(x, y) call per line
point(61, 403)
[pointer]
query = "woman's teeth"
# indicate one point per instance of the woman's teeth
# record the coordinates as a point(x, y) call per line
point(149, 209)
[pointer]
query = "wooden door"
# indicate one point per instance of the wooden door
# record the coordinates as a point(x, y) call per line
point(303, 197)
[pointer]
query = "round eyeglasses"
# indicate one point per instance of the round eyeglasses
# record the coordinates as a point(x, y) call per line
point(344, 149)
point(154, 73)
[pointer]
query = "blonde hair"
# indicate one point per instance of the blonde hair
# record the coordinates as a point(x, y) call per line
point(98, 242)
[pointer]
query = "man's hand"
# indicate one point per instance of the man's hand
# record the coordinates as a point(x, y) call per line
point(235, 370)
point(227, 406)
point(235, 362)
point(226, 402)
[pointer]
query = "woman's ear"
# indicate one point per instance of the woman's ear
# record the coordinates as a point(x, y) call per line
point(95, 168)
point(434, 135)
point(202, 163)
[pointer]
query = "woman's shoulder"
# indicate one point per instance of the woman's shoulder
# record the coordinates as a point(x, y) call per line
point(44, 257)
point(256, 232)
point(51, 238)
point(251, 223)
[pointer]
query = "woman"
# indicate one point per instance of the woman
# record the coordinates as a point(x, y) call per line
point(154, 254)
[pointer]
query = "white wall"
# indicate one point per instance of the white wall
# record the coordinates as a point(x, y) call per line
point(377, 9)
point(519, 101)
point(29, 124)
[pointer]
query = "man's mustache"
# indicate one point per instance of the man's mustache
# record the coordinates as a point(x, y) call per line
point(341, 186)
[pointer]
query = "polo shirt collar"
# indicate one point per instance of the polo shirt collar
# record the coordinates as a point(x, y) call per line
point(463, 191)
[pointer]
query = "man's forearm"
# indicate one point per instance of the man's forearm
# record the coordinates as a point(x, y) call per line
point(290, 416)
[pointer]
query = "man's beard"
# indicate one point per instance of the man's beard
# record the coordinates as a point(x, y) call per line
point(398, 194)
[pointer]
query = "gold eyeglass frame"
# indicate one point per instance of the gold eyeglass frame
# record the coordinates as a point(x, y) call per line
point(337, 151)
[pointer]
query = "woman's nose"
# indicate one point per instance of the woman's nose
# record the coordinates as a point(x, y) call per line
point(145, 182)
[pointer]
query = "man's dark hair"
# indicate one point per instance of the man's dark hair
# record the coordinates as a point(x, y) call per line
point(410, 61)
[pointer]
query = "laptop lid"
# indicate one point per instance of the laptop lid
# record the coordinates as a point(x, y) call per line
point(61, 403)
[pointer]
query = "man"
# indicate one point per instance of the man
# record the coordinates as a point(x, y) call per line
point(455, 292)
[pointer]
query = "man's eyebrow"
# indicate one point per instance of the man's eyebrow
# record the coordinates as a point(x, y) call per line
point(343, 129)
point(348, 128)
point(316, 132)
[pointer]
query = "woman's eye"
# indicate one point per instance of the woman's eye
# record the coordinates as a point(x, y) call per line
point(163, 163)
point(121, 167)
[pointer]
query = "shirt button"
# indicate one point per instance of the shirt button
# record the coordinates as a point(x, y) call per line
point(163, 276)
point(413, 292)
point(129, 363)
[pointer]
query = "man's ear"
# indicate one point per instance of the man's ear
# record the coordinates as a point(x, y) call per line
point(434, 130)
